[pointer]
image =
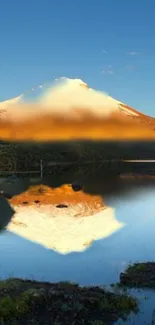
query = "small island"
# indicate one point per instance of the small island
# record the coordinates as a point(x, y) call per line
point(29, 302)
point(141, 275)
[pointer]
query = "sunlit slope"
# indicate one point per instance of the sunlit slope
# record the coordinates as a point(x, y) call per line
point(69, 110)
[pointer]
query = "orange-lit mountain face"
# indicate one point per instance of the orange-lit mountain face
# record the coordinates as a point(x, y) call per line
point(71, 111)
point(137, 116)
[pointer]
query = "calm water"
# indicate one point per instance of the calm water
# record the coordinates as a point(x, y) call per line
point(102, 262)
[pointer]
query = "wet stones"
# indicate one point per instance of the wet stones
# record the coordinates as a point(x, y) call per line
point(77, 187)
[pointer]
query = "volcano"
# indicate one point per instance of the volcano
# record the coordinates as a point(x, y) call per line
point(68, 109)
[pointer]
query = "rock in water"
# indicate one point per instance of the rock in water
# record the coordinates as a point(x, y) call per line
point(76, 187)
point(6, 212)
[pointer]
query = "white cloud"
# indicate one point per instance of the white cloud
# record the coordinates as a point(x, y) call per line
point(130, 67)
point(107, 70)
point(104, 51)
point(132, 53)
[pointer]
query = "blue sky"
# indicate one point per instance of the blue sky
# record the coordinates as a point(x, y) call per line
point(110, 44)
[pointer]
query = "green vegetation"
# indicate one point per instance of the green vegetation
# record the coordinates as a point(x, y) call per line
point(139, 275)
point(13, 308)
point(28, 302)
point(27, 156)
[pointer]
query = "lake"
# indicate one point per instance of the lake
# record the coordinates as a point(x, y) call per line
point(102, 261)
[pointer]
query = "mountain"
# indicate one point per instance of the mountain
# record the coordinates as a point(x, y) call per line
point(64, 93)
point(42, 92)
point(137, 116)
point(75, 111)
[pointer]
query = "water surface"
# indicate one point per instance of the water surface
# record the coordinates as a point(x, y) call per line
point(100, 263)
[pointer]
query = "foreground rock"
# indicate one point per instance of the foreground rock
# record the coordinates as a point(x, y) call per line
point(139, 275)
point(6, 212)
point(28, 302)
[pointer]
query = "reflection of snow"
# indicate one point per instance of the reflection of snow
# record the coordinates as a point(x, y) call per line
point(61, 229)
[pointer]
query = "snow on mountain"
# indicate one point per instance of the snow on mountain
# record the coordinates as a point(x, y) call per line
point(127, 111)
point(10, 101)
point(65, 93)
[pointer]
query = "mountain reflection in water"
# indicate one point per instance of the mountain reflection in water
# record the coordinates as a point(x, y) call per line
point(61, 229)
point(102, 261)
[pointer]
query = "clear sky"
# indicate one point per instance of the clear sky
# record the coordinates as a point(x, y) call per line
point(110, 44)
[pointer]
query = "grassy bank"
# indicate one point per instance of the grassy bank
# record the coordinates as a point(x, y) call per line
point(28, 302)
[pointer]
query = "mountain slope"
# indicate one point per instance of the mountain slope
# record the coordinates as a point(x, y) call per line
point(138, 116)
point(74, 111)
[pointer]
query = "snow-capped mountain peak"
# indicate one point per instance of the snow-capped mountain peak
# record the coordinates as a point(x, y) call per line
point(65, 95)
